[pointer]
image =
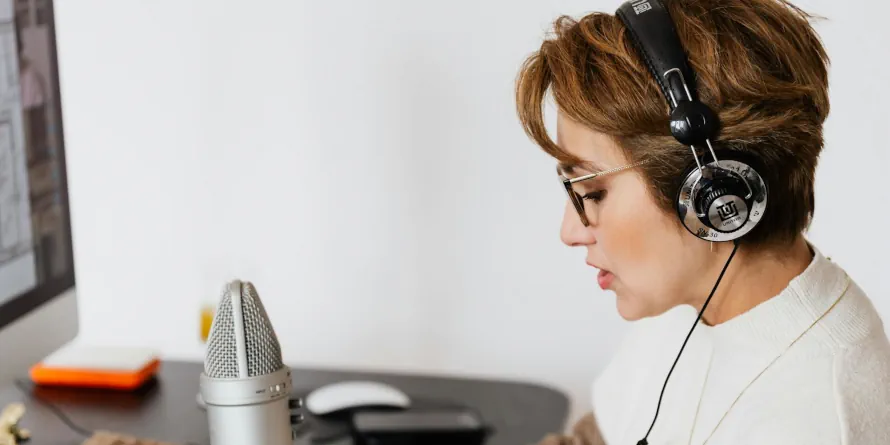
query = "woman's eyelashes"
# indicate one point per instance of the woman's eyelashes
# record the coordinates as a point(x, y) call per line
point(596, 196)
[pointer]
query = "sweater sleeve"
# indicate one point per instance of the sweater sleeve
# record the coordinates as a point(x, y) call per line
point(862, 392)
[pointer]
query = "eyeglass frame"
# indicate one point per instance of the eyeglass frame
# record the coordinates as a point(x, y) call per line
point(575, 197)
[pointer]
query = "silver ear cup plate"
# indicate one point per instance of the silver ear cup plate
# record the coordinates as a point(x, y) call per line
point(690, 189)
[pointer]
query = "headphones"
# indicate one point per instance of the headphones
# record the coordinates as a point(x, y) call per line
point(719, 199)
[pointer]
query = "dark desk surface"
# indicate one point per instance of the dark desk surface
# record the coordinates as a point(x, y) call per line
point(520, 413)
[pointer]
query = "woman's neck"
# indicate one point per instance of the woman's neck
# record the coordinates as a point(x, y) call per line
point(752, 278)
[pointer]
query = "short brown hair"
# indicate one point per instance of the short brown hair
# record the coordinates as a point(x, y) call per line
point(759, 65)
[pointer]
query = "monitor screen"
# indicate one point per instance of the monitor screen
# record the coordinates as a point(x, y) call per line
point(36, 261)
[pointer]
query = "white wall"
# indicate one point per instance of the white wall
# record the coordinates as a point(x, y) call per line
point(361, 163)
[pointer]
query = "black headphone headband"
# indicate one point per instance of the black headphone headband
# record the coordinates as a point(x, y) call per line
point(655, 37)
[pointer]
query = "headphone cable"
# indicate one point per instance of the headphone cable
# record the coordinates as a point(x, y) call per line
point(23, 387)
point(644, 440)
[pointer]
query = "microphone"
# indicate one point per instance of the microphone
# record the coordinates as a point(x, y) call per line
point(245, 384)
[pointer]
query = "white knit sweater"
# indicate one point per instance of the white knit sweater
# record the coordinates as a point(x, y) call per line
point(831, 387)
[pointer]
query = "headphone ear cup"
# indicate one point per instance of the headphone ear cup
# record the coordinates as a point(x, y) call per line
point(722, 201)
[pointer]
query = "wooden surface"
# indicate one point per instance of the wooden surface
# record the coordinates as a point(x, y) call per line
point(167, 410)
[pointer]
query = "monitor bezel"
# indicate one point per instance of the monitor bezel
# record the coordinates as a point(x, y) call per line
point(25, 303)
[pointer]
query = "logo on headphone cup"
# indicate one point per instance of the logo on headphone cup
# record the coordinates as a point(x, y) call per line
point(728, 213)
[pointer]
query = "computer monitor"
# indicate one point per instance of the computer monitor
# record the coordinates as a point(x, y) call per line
point(38, 311)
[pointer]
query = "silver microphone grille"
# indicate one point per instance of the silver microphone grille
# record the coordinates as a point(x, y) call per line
point(262, 350)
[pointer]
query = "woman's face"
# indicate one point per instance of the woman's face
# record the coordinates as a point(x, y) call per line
point(643, 254)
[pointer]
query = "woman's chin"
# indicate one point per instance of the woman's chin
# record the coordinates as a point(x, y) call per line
point(629, 307)
point(632, 308)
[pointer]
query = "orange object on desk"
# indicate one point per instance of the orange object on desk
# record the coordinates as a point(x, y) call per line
point(121, 368)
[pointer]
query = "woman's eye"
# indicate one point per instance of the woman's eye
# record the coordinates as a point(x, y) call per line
point(595, 196)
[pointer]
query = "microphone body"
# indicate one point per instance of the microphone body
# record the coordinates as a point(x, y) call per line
point(249, 411)
point(245, 385)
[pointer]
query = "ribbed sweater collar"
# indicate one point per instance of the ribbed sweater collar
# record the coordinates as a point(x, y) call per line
point(772, 325)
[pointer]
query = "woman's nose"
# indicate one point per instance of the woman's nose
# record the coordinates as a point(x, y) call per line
point(573, 232)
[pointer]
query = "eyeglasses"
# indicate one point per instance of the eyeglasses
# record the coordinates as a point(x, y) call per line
point(576, 198)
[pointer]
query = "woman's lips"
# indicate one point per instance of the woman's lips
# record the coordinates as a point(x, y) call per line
point(604, 278)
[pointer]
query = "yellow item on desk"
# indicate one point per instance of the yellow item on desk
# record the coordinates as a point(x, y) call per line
point(207, 313)
point(10, 433)
point(109, 438)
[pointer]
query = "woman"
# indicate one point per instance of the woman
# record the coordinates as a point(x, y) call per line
point(786, 348)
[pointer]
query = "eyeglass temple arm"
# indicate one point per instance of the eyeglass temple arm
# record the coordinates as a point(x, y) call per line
point(604, 172)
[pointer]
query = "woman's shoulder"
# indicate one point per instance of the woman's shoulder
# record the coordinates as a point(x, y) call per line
point(861, 371)
point(862, 391)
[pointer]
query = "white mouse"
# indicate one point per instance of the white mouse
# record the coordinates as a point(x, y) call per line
point(354, 394)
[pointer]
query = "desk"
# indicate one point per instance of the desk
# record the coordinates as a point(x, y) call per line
point(520, 413)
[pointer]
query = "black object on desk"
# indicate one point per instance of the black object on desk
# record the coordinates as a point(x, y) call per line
point(428, 427)
point(517, 413)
